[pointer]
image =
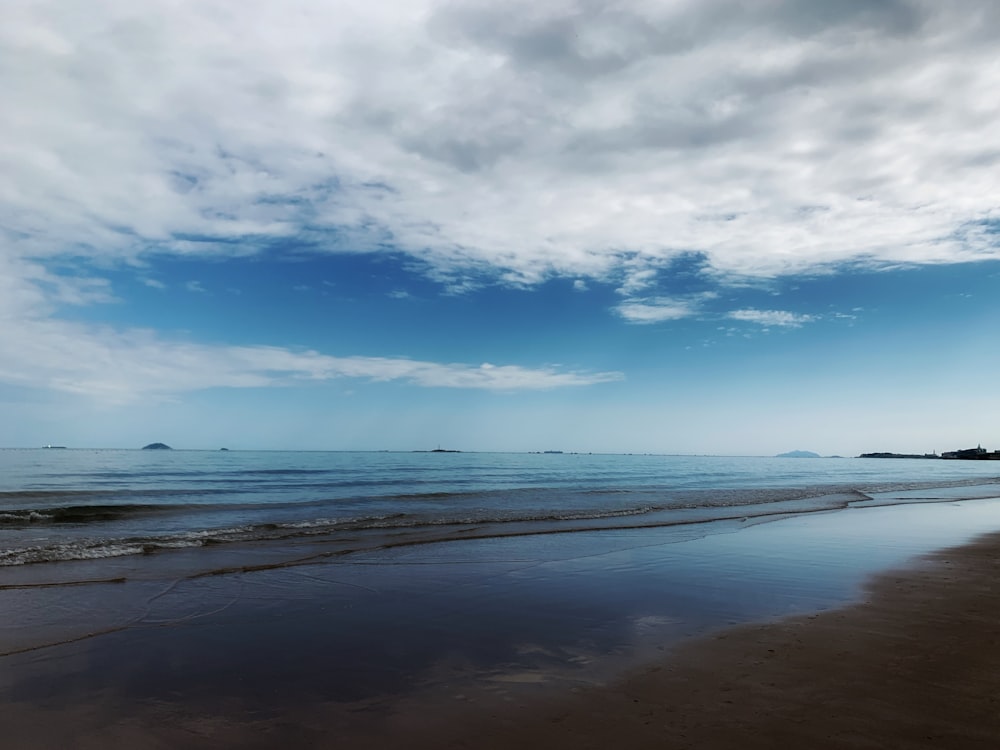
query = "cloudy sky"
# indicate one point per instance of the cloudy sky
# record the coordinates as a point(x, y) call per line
point(683, 226)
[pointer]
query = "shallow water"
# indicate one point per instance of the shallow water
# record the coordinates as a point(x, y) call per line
point(62, 505)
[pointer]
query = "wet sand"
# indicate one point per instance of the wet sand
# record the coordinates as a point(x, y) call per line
point(914, 665)
point(587, 641)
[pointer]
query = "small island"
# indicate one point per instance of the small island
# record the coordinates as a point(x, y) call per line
point(798, 454)
point(884, 454)
point(157, 447)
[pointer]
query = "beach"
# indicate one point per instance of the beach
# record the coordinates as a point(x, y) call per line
point(838, 629)
point(915, 665)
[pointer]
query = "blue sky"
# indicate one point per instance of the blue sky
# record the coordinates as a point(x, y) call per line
point(710, 227)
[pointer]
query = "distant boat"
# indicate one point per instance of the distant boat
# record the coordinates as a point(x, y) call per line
point(55, 447)
point(439, 449)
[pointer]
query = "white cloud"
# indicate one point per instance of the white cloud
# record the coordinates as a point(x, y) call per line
point(642, 312)
point(659, 309)
point(781, 318)
point(637, 278)
point(655, 311)
point(30, 289)
point(122, 366)
point(509, 138)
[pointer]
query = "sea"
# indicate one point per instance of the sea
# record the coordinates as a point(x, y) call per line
point(64, 505)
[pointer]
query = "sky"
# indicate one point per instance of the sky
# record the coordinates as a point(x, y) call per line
point(674, 226)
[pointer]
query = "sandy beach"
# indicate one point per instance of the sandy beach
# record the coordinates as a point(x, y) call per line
point(605, 640)
point(915, 665)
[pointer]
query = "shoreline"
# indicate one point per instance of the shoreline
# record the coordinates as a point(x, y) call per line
point(915, 664)
point(518, 642)
point(339, 536)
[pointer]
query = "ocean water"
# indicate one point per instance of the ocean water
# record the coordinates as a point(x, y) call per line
point(296, 596)
point(66, 505)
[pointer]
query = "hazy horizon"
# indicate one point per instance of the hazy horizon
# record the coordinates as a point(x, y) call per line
point(398, 450)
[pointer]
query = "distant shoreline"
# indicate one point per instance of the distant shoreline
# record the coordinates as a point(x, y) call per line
point(984, 456)
point(967, 454)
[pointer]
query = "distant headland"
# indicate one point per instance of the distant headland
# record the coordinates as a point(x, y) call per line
point(157, 447)
point(966, 454)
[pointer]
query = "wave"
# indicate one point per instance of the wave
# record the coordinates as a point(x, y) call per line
point(79, 514)
point(242, 484)
point(9, 498)
point(420, 529)
point(89, 549)
point(448, 515)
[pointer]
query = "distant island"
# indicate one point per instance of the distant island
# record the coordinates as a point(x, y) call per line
point(798, 454)
point(439, 450)
point(899, 455)
point(157, 447)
